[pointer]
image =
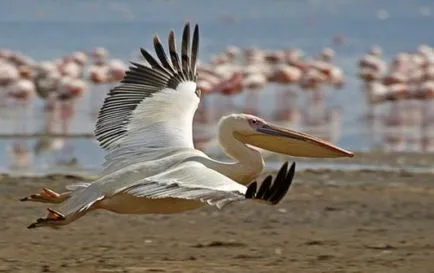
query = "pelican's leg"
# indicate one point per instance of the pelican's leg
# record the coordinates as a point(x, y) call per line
point(47, 196)
point(56, 219)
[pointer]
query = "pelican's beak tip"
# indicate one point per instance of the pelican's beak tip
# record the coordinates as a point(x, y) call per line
point(348, 154)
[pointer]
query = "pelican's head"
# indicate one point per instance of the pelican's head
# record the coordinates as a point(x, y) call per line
point(260, 133)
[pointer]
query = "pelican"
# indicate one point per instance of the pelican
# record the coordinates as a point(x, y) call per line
point(151, 165)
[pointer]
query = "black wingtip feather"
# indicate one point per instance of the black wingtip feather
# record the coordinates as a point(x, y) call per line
point(173, 52)
point(159, 50)
point(251, 190)
point(281, 175)
point(185, 59)
point(273, 191)
point(194, 51)
point(148, 57)
point(284, 186)
point(264, 188)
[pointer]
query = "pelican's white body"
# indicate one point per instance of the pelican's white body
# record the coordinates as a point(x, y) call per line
point(159, 148)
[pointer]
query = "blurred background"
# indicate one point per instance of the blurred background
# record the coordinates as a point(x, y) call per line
point(356, 73)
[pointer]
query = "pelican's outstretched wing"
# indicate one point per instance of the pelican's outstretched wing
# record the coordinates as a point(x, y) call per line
point(192, 180)
point(189, 180)
point(153, 107)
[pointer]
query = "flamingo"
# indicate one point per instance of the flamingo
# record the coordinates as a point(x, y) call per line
point(253, 83)
point(285, 74)
point(100, 77)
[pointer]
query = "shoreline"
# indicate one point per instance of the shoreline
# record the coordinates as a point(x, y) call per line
point(361, 162)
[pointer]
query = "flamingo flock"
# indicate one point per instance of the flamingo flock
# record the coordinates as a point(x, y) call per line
point(252, 70)
point(400, 96)
point(60, 84)
point(23, 78)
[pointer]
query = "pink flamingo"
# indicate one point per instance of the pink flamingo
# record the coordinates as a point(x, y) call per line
point(286, 99)
point(372, 67)
point(8, 75)
point(22, 92)
point(70, 90)
point(99, 76)
point(253, 82)
point(20, 155)
point(393, 124)
point(327, 55)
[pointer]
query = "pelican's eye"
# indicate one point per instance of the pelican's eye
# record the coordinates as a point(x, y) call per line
point(255, 123)
point(198, 92)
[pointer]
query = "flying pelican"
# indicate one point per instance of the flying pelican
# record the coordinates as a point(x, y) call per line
point(145, 124)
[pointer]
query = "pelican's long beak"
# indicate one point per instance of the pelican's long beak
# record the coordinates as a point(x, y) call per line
point(280, 140)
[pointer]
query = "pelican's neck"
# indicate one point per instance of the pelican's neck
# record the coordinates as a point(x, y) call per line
point(248, 161)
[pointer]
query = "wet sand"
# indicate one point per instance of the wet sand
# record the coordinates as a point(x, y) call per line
point(331, 221)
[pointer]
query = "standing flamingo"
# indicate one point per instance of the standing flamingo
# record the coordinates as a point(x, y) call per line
point(286, 98)
point(70, 90)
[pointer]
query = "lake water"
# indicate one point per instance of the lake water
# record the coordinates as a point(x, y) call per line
point(48, 29)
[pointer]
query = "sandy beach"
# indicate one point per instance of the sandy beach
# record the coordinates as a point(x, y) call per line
point(331, 221)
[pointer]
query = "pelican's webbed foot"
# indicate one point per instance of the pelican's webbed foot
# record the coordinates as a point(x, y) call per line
point(53, 219)
point(46, 196)
point(272, 192)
